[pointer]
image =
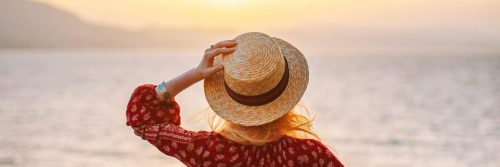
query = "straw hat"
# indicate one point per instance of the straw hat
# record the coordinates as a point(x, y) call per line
point(263, 79)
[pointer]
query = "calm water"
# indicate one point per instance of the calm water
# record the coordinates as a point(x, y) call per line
point(66, 108)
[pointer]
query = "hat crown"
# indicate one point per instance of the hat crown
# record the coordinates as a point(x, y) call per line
point(256, 66)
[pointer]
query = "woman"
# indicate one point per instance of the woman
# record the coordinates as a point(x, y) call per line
point(253, 83)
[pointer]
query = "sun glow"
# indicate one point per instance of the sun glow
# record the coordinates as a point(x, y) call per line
point(262, 15)
point(199, 14)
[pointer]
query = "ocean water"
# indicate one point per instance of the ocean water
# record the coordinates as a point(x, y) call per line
point(66, 108)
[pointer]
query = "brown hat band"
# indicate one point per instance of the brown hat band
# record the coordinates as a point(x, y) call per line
point(264, 98)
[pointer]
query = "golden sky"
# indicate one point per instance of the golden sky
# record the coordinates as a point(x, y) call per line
point(241, 15)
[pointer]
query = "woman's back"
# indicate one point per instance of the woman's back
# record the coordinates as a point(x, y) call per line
point(158, 122)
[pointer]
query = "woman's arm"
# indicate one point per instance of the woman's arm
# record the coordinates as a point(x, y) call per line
point(158, 121)
point(204, 70)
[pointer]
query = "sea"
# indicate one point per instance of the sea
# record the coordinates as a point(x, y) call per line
point(66, 108)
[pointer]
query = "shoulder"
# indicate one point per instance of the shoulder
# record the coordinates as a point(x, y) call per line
point(314, 146)
point(314, 150)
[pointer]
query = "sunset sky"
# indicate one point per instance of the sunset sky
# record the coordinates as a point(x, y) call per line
point(241, 15)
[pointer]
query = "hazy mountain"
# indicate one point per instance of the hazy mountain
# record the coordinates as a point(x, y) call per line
point(27, 24)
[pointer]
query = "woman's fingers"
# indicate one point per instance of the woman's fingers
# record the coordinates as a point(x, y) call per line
point(211, 54)
point(214, 69)
point(208, 49)
point(225, 44)
point(206, 66)
point(222, 44)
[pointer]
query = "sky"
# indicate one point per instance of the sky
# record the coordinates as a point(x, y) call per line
point(241, 15)
point(323, 26)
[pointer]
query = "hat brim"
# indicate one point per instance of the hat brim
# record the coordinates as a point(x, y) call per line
point(227, 108)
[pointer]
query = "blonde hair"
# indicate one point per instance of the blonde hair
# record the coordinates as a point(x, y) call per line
point(293, 124)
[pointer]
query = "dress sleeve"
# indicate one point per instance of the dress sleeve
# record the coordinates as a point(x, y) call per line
point(158, 122)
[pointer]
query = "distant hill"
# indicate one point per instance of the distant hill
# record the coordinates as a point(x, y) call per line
point(28, 24)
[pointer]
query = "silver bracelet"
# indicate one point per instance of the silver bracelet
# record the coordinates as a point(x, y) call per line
point(161, 90)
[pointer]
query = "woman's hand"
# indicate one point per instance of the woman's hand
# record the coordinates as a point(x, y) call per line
point(204, 70)
point(206, 67)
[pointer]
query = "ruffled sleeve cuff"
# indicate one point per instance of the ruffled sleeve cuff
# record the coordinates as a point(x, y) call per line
point(146, 108)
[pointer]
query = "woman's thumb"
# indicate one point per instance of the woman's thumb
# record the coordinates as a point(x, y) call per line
point(215, 69)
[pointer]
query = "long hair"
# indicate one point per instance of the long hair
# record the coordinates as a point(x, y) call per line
point(293, 124)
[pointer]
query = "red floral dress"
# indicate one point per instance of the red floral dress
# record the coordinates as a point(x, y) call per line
point(159, 123)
